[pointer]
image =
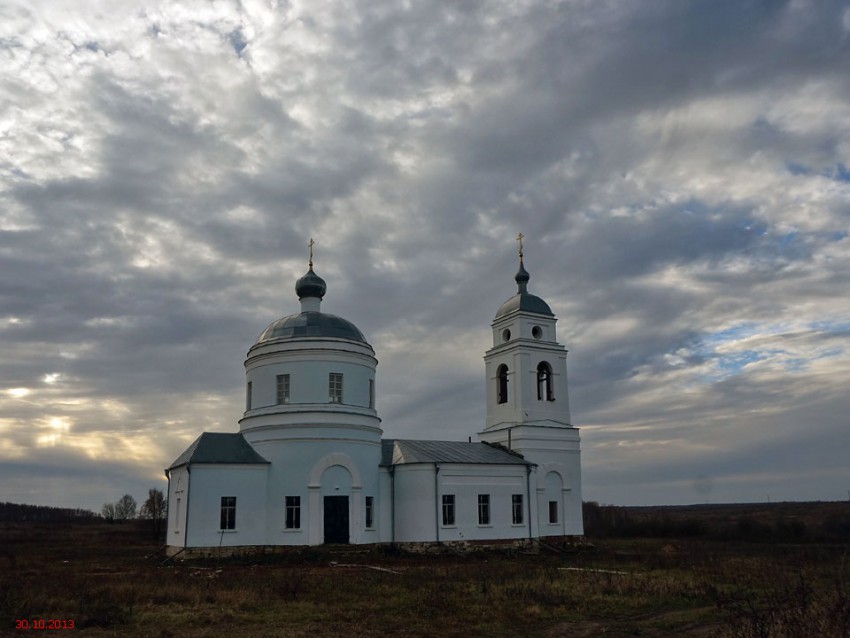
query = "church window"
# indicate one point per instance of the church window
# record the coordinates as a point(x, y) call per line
point(553, 512)
point(282, 389)
point(502, 384)
point(544, 382)
point(537, 332)
point(228, 512)
point(448, 509)
point(370, 512)
point(483, 509)
point(293, 512)
point(516, 509)
point(335, 387)
point(248, 396)
point(506, 334)
point(372, 393)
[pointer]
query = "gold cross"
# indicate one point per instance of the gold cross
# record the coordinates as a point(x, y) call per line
point(311, 252)
point(519, 238)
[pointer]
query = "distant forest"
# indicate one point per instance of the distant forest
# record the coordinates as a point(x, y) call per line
point(17, 513)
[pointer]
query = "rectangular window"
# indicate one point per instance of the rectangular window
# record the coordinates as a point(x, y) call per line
point(293, 512)
point(335, 387)
point(282, 389)
point(248, 396)
point(553, 512)
point(483, 509)
point(448, 509)
point(517, 509)
point(177, 517)
point(370, 512)
point(371, 393)
point(228, 512)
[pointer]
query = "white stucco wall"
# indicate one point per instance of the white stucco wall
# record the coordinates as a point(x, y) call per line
point(178, 493)
point(500, 482)
point(312, 443)
point(552, 449)
point(415, 508)
point(419, 509)
point(208, 483)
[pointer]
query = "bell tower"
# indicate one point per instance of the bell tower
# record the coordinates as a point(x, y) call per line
point(528, 407)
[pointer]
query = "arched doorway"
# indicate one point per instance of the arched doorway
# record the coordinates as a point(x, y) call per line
point(336, 504)
point(554, 500)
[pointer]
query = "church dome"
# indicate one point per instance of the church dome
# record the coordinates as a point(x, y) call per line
point(312, 324)
point(310, 285)
point(524, 300)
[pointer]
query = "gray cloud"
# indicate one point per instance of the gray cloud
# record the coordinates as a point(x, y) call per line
point(680, 171)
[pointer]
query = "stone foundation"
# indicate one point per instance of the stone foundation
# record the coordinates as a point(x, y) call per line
point(445, 547)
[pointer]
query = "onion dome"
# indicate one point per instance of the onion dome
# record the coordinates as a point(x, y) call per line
point(311, 322)
point(310, 285)
point(522, 278)
point(523, 300)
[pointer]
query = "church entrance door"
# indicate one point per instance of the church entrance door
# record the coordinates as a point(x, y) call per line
point(336, 519)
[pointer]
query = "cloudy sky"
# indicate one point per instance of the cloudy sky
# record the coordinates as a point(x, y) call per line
point(681, 171)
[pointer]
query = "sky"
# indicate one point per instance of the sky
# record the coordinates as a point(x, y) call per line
point(680, 170)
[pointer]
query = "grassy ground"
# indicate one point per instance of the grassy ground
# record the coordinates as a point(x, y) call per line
point(100, 577)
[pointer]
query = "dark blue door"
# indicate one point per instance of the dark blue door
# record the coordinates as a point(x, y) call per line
point(336, 519)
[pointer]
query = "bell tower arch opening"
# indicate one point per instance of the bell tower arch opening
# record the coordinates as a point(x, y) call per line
point(502, 384)
point(544, 382)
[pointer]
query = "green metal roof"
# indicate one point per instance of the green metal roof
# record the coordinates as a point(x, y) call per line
point(312, 324)
point(219, 447)
point(525, 302)
point(400, 452)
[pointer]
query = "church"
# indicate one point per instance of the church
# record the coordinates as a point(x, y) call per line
point(309, 466)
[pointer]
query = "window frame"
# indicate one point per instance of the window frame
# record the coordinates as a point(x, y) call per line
point(369, 512)
point(227, 514)
point(283, 389)
point(553, 512)
point(335, 387)
point(484, 509)
point(517, 509)
point(448, 509)
point(292, 516)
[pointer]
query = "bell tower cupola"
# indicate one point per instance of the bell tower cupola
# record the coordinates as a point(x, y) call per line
point(526, 367)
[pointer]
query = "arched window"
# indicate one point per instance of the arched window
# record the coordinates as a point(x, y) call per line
point(544, 382)
point(502, 384)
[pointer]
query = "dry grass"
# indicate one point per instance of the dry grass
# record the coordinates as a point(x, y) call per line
point(99, 576)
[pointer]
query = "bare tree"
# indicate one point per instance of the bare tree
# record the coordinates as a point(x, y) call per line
point(125, 508)
point(108, 511)
point(154, 509)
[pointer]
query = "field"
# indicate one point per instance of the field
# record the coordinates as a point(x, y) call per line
point(704, 573)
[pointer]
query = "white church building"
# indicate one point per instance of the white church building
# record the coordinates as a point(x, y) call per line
point(309, 465)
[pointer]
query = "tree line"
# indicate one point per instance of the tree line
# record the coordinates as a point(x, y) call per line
point(124, 509)
point(20, 512)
